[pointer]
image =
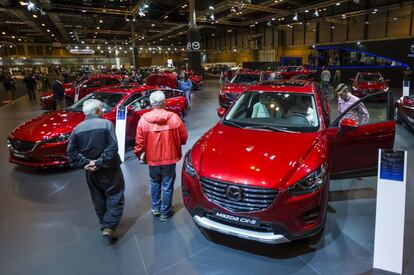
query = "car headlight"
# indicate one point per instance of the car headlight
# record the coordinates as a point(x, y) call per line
point(59, 138)
point(188, 165)
point(310, 183)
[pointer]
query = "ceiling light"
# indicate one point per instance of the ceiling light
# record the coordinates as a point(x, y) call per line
point(76, 47)
point(152, 25)
point(100, 21)
point(83, 10)
point(211, 8)
point(359, 43)
point(87, 47)
point(53, 34)
point(13, 37)
point(23, 3)
point(98, 48)
point(97, 28)
point(83, 42)
point(43, 24)
point(165, 17)
point(338, 4)
point(48, 30)
point(34, 16)
point(19, 39)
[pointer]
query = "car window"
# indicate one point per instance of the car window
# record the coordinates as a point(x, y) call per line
point(271, 110)
point(109, 100)
point(131, 99)
point(141, 104)
point(369, 78)
point(368, 110)
point(246, 78)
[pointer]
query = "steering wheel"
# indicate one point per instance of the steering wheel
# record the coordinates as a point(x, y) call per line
point(301, 115)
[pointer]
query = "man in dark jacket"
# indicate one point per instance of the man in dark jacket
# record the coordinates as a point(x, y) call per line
point(30, 83)
point(58, 94)
point(93, 146)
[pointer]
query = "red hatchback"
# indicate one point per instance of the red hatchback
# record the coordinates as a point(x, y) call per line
point(42, 141)
point(238, 84)
point(366, 83)
point(263, 171)
point(87, 86)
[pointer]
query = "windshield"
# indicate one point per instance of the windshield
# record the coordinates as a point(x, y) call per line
point(246, 78)
point(274, 111)
point(369, 78)
point(109, 100)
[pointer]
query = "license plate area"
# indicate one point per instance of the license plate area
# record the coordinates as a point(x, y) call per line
point(236, 220)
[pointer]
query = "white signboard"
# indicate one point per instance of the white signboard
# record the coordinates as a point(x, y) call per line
point(120, 130)
point(390, 214)
point(406, 87)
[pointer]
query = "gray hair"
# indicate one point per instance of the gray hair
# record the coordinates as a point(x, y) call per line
point(90, 107)
point(157, 99)
point(341, 88)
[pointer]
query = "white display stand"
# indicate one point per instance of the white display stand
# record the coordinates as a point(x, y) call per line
point(77, 90)
point(120, 130)
point(406, 88)
point(390, 211)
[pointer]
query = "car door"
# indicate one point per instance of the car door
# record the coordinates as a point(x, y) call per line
point(135, 110)
point(354, 150)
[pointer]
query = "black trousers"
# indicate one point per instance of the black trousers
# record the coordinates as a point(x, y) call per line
point(107, 188)
point(31, 93)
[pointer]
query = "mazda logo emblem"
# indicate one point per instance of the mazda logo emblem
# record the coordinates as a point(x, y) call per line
point(234, 193)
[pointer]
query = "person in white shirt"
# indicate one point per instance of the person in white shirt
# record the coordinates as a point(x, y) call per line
point(325, 78)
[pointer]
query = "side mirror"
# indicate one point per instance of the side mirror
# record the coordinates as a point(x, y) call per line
point(130, 109)
point(221, 111)
point(348, 124)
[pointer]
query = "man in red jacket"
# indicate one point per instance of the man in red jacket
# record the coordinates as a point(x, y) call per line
point(160, 134)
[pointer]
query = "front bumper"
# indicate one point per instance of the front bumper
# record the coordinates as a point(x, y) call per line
point(288, 218)
point(265, 237)
point(43, 155)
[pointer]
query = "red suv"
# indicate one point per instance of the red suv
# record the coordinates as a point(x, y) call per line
point(263, 171)
point(366, 83)
point(87, 86)
point(42, 141)
point(238, 84)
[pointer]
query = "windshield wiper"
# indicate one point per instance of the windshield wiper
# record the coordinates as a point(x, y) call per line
point(232, 123)
point(271, 128)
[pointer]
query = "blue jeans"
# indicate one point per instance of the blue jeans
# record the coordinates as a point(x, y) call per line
point(162, 178)
point(187, 94)
point(325, 88)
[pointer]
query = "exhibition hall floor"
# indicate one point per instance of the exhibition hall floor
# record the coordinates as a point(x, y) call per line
point(48, 225)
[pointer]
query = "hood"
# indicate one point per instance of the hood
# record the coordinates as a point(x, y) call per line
point(371, 85)
point(235, 88)
point(48, 125)
point(158, 116)
point(254, 157)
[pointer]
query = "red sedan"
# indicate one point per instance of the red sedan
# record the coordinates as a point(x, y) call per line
point(238, 84)
point(263, 171)
point(366, 83)
point(87, 86)
point(42, 141)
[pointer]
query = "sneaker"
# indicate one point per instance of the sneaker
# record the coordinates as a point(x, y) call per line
point(155, 212)
point(165, 217)
point(109, 235)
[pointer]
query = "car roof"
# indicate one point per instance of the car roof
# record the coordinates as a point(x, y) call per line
point(127, 89)
point(105, 76)
point(249, 72)
point(369, 73)
point(287, 86)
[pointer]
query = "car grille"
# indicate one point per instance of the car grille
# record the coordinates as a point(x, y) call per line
point(232, 96)
point(252, 199)
point(22, 146)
